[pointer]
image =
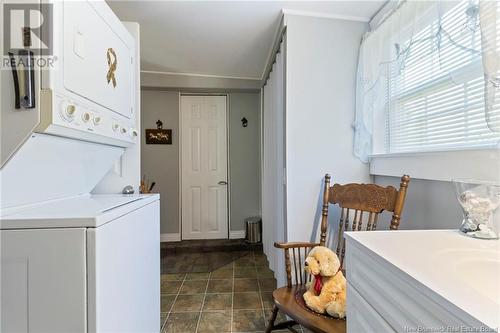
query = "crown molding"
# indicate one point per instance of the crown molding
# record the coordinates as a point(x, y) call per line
point(278, 30)
point(202, 75)
point(326, 15)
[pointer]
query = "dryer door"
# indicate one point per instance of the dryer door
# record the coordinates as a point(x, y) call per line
point(98, 56)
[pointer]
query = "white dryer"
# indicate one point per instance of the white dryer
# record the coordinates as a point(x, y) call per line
point(84, 264)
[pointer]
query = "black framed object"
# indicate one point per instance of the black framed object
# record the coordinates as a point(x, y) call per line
point(158, 136)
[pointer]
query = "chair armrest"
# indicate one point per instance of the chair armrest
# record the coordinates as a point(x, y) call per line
point(295, 245)
point(294, 256)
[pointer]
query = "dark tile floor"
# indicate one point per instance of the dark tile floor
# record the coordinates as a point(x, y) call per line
point(236, 297)
point(197, 262)
point(209, 245)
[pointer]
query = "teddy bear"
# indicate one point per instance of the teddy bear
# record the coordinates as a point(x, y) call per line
point(327, 292)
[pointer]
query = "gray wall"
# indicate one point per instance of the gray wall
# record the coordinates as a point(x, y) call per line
point(429, 204)
point(161, 162)
point(244, 157)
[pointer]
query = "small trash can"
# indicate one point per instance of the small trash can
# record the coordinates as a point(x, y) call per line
point(253, 230)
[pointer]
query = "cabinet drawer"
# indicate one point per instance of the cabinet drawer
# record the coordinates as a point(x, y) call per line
point(361, 317)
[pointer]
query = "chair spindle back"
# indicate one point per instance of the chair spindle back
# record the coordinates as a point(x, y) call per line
point(360, 207)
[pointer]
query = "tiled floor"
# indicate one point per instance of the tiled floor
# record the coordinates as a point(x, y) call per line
point(210, 245)
point(198, 256)
point(234, 298)
point(197, 262)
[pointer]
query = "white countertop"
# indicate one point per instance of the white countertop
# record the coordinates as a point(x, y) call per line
point(464, 271)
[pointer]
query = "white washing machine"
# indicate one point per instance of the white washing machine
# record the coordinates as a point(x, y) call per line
point(72, 261)
point(84, 264)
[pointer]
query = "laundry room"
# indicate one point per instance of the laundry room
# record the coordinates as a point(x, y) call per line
point(239, 166)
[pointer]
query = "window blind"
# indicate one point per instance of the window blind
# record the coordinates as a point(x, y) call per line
point(435, 91)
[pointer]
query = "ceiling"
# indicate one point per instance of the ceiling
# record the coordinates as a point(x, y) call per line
point(219, 38)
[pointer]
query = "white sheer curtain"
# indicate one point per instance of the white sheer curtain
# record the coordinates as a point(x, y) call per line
point(273, 200)
point(445, 32)
point(489, 13)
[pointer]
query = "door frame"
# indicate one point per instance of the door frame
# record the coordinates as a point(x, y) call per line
point(228, 143)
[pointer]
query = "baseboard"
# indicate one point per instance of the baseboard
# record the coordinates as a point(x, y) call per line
point(236, 234)
point(176, 237)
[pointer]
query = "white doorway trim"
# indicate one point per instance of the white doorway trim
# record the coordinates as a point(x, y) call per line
point(227, 234)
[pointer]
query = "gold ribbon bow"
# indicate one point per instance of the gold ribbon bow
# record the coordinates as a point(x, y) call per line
point(112, 66)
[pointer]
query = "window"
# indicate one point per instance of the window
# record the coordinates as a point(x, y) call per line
point(435, 90)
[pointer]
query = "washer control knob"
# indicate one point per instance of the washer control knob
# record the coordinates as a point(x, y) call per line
point(124, 130)
point(134, 133)
point(86, 116)
point(97, 120)
point(115, 127)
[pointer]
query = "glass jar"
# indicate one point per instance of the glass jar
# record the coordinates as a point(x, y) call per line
point(479, 199)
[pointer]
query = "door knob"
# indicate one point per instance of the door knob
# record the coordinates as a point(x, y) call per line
point(222, 182)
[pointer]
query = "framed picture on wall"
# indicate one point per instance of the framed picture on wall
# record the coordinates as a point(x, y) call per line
point(159, 136)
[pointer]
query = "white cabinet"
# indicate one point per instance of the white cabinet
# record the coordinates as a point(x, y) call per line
point(395, 286)
point(362, 316)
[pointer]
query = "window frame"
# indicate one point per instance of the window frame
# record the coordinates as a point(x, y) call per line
point(443, 163)
point(440, 165)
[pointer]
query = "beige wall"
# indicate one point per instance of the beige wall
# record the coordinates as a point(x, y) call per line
point(161, 162)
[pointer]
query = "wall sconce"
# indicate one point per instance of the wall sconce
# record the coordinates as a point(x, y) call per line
point(244, 122)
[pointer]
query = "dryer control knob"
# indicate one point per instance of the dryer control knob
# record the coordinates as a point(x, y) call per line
point(124, 130)
point(68, 111)
point(97, 120)
point(86, 116)
point(134, 133)
point(115, 127)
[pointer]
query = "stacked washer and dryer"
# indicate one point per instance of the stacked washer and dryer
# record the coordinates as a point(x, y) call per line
point(72, 261)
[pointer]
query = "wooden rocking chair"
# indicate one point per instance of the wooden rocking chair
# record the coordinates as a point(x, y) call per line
point(356, 201)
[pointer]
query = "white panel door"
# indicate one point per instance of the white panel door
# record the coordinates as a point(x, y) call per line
point(204, 167)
